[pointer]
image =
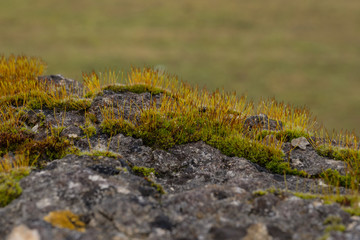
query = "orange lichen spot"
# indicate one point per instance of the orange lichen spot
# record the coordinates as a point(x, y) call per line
point(65, 219)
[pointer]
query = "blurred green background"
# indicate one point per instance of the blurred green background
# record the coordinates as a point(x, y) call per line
point(301, 52)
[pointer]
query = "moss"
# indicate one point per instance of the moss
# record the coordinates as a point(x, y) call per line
point(37, 99)
point(332, 219)
point(115, 126)
point(72, 150)
point(306, 195)
point(155, 185)
point(9, 185)
point(56, 131)
point(12, 137)
point(101, 153)
point(338, 153)
point(334, 224)
point(46, 149)
point(65, 219)
point(333, 177)
point(354, 211)
point(137, 88)
point(285, 135)
point(123, 169)
point(91, 117)
point(266, 156)
point(143, 171)
point(89, 129)
point(166, 131)
point(259, 193)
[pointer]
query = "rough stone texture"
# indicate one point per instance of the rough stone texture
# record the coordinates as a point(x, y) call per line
point(263, 122)
point(300, 142)
point(129, 102)
point(309, 161)
point(208, 195)
point(57, 82)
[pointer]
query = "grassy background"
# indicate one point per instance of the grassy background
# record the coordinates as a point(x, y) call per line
point(302, 52)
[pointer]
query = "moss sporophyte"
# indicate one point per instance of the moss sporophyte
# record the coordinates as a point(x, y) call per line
point(177, 114)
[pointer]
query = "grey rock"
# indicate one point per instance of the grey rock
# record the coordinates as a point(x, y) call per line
point(208, 195)
point(308, 160)
point(300, 142)
point(262, 121)
point(58, 82)
point(22, 232)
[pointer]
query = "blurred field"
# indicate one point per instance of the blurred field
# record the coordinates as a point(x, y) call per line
point(301, 52)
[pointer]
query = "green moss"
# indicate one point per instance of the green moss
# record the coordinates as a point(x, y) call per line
point(56, 131)
point(344, 154)
point(101, 153)
point(91, 117)
point(137, 88)
point(333, 177)
point(306, 195)
point(285, 135)
point(332, 219)
point(334, 224)
point(71, 104)
point(155, 185)
point(143, 171)
point(89, 129)
point(46, 149)
point(166, 131)
point(40, 100)
point(354, 211)
point(259, 193)
point(266, 156)
point(115, 126)
point(9, 185)
point(12, 137)
point(41, 116)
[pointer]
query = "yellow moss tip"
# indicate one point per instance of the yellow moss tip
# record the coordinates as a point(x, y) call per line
point(65, 219)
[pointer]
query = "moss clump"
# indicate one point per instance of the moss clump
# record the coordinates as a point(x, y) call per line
point(38, 99)
point(115, 126)
point(344, 154)
point(285, 135)
point(143, 171)
point(166, 131)
point(89, 129)
point(101, 153)
point(155, 185)
point(49, 148)
point(334, 224)
point(334, 178)
point(354, 211)
point(65, 219)
point(91, 117)
point(59, 104)
point(9, 185)
point(259, 193)
point(137, 88)
point(306, 195)
point(11, 138)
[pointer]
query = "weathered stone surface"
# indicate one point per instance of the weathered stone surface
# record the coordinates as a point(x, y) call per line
point(300, 142)
point(309, 161)
point(57, 82)
point(262, 121)
point(208, 195)
point(22, 232)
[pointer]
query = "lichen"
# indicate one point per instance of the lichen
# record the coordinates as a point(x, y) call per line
point(65, 219)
